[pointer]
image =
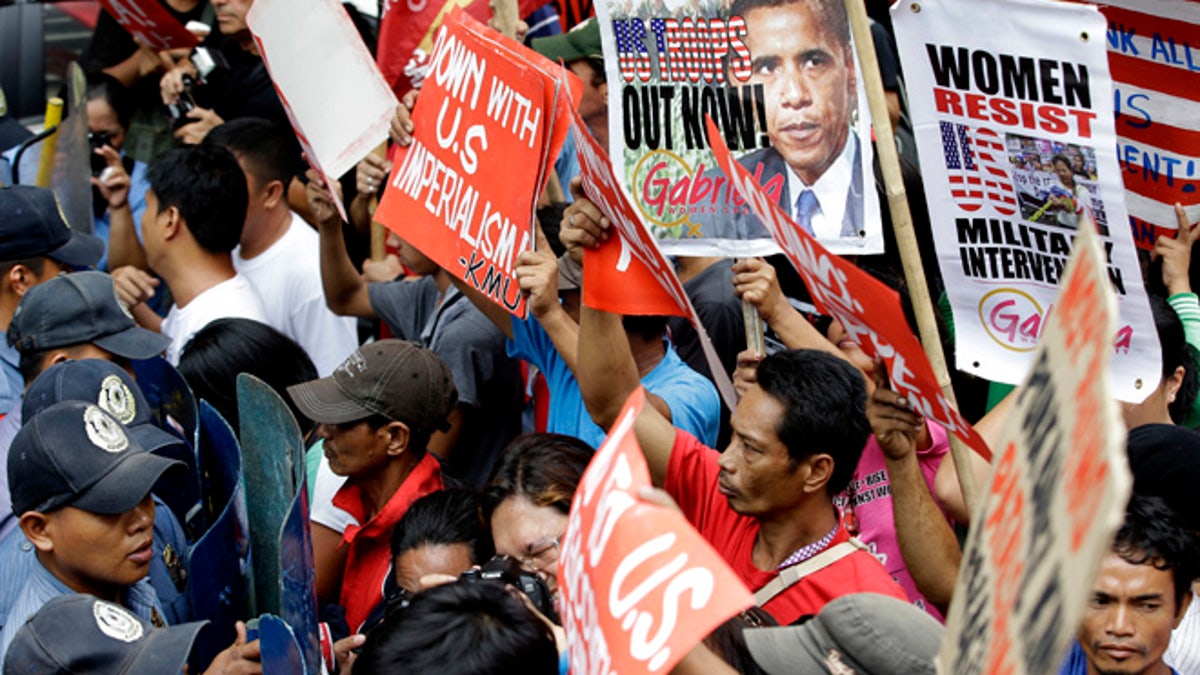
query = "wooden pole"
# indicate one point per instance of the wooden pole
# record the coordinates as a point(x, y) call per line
point(378, 232)
point(54, 113)
point(505, 16)
point(906, 239)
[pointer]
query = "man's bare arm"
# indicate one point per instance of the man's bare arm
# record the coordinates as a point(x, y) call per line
point(345, 289)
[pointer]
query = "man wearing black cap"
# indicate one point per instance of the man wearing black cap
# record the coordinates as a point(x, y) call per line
point(36, 245)
point(114, 391)
point(106, 638)
point(82, 488)
point(376, 413)
point(72, 316)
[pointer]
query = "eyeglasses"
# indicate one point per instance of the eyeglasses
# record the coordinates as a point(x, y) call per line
point(539, 556)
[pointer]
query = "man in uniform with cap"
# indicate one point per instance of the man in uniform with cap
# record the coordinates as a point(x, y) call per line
point(72, 316)
point(37, 245)
point(376, 414)
point(114, 391)
point(81, 487)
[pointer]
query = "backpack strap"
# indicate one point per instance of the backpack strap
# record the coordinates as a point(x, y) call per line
point(790, 575)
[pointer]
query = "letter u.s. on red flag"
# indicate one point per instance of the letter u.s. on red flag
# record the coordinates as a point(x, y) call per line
point(640, 587)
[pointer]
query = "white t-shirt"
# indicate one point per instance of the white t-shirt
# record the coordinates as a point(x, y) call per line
point(323, 512)
point(232, 299)
point(288, 278)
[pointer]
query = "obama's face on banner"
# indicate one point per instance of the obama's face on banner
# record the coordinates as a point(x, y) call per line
point(808, 77)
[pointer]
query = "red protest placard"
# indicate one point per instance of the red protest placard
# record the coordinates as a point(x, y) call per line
point(868, 310)
point(150, 24)
point(640, 587)
point(464, 192)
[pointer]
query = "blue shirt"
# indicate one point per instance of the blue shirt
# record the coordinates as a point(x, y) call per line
point(1076, 663)
point(9, 426)
point(41, 586)
point(138, 184)
point(695, 407)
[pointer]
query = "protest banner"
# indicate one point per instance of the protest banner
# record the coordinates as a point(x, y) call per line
point(406, 35)
point(1000, 117)
point(479, 108)
point(800, 123)
point(1154, 56)
point(640, 587)
point(150, 24)
point(1056, 495)
point(341, 119)
point(632, 261)
point(869, 311)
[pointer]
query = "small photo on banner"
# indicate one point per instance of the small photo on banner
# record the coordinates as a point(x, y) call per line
point(485, 104)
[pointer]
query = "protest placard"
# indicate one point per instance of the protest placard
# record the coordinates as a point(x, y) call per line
point(801, 124)
point(150, 24)
point(1056, 496)
point(1154, 56)
point(1002, 118)
point(406, 35)
point(480, 107)
point(629, 274)
point(640, 587)
point(334, 96)
point(869, 311)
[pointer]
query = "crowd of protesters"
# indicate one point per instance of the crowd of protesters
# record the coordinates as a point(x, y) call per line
point(446, 438)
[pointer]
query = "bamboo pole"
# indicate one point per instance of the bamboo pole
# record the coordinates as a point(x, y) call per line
point(54, 113)
point(906, 239)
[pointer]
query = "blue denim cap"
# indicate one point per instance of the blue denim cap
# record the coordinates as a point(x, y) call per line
point(74, 309)
point(32, 224)
point(78, 633)
point(75, 454)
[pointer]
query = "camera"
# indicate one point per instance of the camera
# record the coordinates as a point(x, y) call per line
point(504, 569)
point(97, 140)
point(210, 66)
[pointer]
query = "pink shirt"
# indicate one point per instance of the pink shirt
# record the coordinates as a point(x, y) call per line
point(872, 491)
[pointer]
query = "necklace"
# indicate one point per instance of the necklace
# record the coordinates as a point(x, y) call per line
point(809, 550)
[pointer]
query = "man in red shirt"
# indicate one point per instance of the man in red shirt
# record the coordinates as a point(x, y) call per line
point(376, 413)
point(766, 503)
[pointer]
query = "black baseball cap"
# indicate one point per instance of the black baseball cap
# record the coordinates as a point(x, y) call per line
point(75, 454)
point(1165, 462)
point(77, 633)
point(73, 309)
point(394, 378)
point(107, 385)
point(32, 224)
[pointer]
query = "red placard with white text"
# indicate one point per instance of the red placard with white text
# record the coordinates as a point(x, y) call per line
point(869, 310)
point(640, 587)
point(629, 274)
point(150, 24)
point(463, 192)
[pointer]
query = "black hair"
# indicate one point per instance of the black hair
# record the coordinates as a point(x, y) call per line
point(825, 408)
point(461, 629)
point(545, 468)
point(1153, 535)
point(33, 362)
point(451, 516)
point(37, 265)
point(1189, 388)
point(116, 95)
point(418, 441)
point(214, 357)
point(1060, 157)
point(207, 185)
point(601, 76)
point(728, 640)
point(830, 14)
point(1171, 337)
point(646, 327)
point(267, 152)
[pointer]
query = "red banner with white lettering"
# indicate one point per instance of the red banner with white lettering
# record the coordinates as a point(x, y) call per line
point(480, 109)
point(150, 24)
point(868, 310)
point(640, 587)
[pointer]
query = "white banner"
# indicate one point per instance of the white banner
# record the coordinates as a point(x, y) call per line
point(1015, 130)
